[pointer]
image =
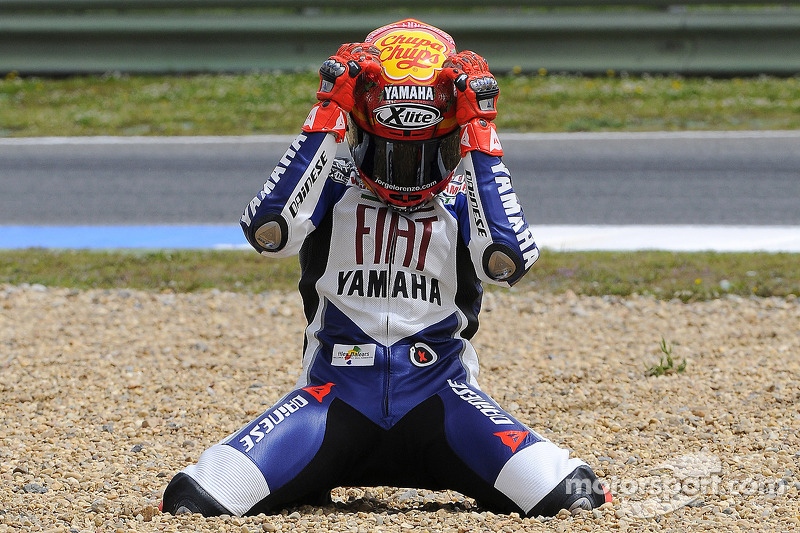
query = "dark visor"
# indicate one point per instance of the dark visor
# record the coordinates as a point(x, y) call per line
point(406, 166)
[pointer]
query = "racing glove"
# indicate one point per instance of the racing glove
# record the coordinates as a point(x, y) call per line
point(339, 72)
point(476, 102)
point(477, 88)
point(337, 81)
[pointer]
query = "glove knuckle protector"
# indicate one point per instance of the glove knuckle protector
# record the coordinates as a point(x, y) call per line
point(351, 59)
point(476, 88)
point(461, 82)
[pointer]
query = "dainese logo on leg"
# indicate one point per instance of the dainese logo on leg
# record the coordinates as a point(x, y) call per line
point(512, 439)
point(320, 391)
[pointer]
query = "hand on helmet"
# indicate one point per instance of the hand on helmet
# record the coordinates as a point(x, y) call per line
point(476, 87)
point(339, 72)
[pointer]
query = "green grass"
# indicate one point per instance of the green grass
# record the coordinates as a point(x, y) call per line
point(665, 275)
point(666, 364)
point(279, 102)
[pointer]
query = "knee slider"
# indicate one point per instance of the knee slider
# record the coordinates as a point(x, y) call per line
point(580, 490)
point(185, 495)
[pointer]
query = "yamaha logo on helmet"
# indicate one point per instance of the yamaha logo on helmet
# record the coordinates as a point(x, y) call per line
point(407, 116)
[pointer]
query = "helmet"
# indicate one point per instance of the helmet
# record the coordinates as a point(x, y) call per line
point(402, 131)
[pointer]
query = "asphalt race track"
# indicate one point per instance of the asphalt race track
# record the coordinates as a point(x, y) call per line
point(738, 178)
point(593, 190)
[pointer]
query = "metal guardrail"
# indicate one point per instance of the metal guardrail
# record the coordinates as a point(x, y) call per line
point(358, 5)
point(59, 37)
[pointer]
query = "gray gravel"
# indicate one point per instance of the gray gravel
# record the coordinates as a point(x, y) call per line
point(104, 395)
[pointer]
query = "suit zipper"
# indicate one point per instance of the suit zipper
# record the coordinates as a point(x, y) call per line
point(391, 243)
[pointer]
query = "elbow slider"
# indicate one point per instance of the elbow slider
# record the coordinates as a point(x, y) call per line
point(499, 263)
point(271, 234)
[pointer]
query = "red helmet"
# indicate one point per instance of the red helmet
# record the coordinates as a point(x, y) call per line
point(403, 133)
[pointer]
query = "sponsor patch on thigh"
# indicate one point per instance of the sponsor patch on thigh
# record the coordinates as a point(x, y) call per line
point(353, 355)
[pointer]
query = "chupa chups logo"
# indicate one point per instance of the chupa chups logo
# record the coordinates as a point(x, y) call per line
point(422, 355)
point(411, 53)
point(407, 116)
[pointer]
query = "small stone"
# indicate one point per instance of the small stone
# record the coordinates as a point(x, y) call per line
point(34, 488)
point(408, 495)
point(697, 502)
point(148, 512)
point(579, 311)
point(98, 505)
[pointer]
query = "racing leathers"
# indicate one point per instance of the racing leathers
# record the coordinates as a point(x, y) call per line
point(388, 393)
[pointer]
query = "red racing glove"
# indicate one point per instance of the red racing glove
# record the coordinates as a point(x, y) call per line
point(476, 103)
point(337, 81)
point(339, 72)
point(476, 87)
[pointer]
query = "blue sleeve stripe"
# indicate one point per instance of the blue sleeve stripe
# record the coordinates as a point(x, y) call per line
point(283, 179)
point(504, 216)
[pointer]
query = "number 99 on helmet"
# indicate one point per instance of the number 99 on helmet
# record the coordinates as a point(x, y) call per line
point(402, 131)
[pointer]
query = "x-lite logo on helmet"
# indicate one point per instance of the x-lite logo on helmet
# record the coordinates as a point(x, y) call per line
point(408, 116)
